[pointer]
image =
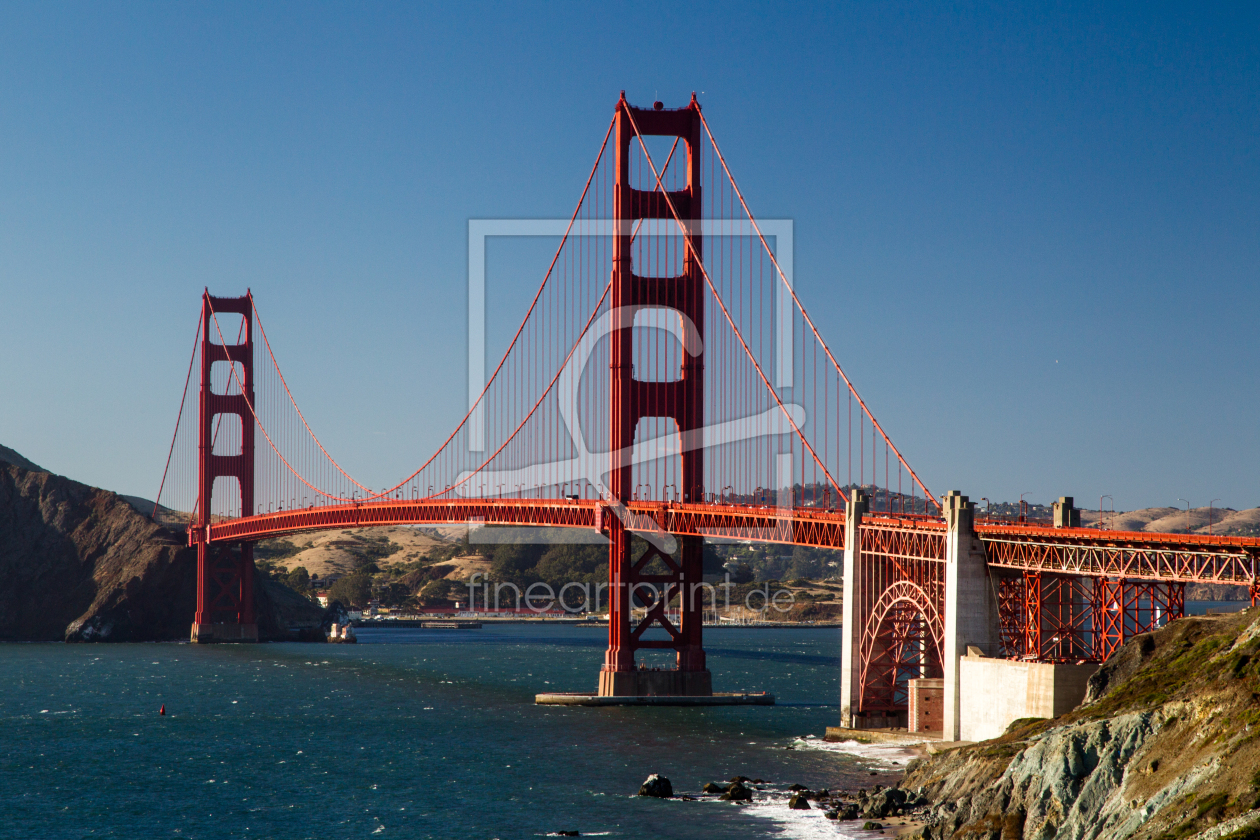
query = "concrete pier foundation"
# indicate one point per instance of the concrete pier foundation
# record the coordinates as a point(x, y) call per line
point(971, 612)
point(850, 633)
point(998, 692)
point(655, 683)
point(206, 633)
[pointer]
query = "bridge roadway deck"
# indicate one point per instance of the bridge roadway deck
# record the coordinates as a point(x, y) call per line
point(1136, 555)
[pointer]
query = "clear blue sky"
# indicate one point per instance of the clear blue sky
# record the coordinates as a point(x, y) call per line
point(1031, 232)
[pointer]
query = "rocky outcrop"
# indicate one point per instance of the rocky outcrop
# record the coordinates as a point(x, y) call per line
point(8, 455)
point(657, 786)
point(79, 563)
point(1167, 745)
point(1067, 784)
point(1216, 592)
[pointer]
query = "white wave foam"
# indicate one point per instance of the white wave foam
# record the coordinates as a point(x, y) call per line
point(885, 756)
point(802, 825)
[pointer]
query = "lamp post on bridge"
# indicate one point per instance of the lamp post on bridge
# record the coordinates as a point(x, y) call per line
point(1100, 509)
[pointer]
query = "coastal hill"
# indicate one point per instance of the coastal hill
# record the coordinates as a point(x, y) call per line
point(1170, 520)
point(8, 455)
point(81, 564)
point(1166, 746)
point(340, 552)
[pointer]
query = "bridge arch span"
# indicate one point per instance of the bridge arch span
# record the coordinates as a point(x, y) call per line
point(903, 638)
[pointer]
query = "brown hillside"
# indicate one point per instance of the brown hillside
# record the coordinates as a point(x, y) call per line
point(79, 563)
point(1170, 520)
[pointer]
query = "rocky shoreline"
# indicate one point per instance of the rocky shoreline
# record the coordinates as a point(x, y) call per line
point(1166, 746)
point(891, 810)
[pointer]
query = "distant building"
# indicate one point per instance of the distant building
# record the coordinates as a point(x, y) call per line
point(322, 597)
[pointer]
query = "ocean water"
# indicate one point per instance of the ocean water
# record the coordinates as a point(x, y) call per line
point(1219, 607)
point(411, 734)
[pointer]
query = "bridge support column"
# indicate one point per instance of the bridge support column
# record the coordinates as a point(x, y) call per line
point(632, 399)
point(971, 611)
point(850, 632)
point(225, 571)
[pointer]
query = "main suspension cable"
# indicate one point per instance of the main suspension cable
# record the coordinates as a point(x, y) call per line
point(691, 247)
point(187, 379)
point(805, 314)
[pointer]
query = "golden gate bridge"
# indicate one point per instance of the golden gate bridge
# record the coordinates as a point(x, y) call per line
point(667, 381)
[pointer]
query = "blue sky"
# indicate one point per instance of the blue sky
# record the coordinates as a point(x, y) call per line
point(1030, 233)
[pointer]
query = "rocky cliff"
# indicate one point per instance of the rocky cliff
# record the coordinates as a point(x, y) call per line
point(79, 563)
point(1166, 746)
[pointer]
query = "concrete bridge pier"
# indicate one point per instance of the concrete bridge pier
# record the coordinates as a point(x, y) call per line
point(971, 610)
point(851, 634)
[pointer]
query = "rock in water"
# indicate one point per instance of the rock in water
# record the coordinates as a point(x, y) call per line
point(798, 803)
point(712, 787)
point(658, 786)
point(736, 792)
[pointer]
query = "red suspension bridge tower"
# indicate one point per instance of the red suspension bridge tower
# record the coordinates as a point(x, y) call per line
point(225, 571)
point(631, 400)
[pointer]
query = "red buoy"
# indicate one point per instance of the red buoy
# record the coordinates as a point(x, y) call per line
point(162, 710)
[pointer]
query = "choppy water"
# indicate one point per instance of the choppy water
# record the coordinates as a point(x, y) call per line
point(412, 733)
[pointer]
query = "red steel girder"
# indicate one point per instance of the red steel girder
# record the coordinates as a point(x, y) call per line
point(823, 529)
point(1189, 558)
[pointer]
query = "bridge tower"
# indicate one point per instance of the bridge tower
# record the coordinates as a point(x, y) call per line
point(632, 400)
point(225, 572)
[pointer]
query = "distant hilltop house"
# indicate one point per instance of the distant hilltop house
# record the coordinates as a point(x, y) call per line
point(322, 597)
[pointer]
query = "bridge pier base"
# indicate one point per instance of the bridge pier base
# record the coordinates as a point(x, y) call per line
point(207, 633)
point(850, 639)
point(971, 611)
point(669, 682)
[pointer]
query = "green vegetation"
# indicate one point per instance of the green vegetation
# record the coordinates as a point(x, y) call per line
point(439, 592)
point(412, 581)
point(767, 561)
point(272, 550)
point(366, 548)
point(1250, 832)
point(352, 590)
point(299, 580)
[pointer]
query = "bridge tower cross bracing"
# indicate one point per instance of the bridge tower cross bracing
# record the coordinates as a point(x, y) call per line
point(631, 400)
point(225, 571)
